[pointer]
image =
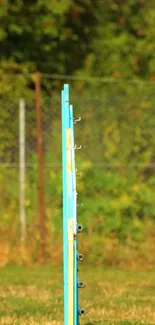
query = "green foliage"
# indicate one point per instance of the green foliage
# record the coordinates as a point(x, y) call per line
point(123, 45)
point(46, 35)
point(117, 163)
point(106, 39)
point(82, 37)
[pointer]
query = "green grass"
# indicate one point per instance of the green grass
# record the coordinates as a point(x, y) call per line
point(111, 297)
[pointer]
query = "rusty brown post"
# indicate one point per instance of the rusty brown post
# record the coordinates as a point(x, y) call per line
point(40, 167)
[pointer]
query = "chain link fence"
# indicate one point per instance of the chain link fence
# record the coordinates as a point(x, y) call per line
point(115, 165)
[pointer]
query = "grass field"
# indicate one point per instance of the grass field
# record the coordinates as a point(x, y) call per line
point(111, 297)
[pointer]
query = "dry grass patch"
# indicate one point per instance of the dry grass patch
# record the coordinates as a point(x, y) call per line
point(111, 297)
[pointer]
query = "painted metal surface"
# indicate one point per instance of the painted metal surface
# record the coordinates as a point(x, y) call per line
point(75, 220)
point(64, 97)
point(70, 227)
point(70, 273)
point(22, 169)
point(70, 223)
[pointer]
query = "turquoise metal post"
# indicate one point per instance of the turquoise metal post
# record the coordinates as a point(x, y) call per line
point(65, 124)
point(64, 205)
point(70, 227)
point(70, 216)
point(75, 221)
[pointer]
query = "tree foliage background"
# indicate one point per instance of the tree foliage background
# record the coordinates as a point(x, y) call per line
point(82, 38)
point(114, 38)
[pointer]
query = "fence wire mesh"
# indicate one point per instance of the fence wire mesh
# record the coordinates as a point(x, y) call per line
point(115, 166)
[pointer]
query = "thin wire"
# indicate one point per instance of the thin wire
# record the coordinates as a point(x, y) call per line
point(97, 79)
point(110, 165)
point(82, 78)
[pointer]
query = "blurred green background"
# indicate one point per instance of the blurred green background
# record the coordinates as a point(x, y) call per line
point(105, 51)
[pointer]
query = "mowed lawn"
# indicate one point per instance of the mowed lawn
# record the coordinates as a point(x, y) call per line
point(35, 296)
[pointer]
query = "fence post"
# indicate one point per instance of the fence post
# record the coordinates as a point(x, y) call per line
point(40, 166)
point(22, 168)
point(70, 226)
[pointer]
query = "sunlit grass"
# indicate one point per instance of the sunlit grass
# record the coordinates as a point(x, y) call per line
point(35, 296)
